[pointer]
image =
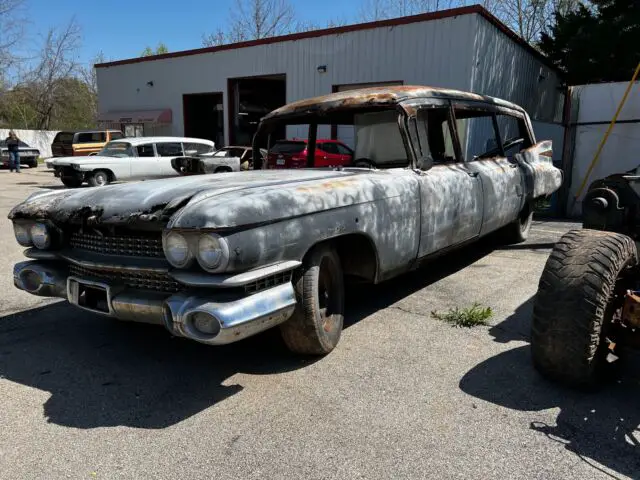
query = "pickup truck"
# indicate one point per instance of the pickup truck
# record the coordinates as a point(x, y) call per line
point(217, 258)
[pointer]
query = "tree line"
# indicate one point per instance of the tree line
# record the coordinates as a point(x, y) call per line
point(589, 40)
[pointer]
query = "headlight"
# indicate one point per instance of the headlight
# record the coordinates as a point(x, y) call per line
point(213, 252)
point(21, 231)
point(76, 166)
point(40, 236)
point(176, 249)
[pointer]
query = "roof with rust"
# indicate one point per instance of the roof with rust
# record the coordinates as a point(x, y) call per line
point(380, 97)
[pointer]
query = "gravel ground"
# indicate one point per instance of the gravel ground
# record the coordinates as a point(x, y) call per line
point(403, 395)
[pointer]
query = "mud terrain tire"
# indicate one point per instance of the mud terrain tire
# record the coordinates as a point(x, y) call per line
point(577, 296)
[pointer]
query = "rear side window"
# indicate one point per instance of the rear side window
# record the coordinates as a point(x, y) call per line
point(169, 149)
point(513, 133)
point(63, 137)
point(91, 137)
point(145, 150)
point(197, 148)
point(288, 148)
point(116, 135)
point(481, 136)
point(328, 147)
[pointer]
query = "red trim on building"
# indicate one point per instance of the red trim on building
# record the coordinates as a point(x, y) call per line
point(393, 22)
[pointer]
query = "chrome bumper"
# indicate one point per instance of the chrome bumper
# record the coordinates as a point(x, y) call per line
point(233, 318)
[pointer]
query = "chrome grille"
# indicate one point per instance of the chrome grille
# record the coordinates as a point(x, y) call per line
point(120, 245)
point(267, 282)
point(160, 282)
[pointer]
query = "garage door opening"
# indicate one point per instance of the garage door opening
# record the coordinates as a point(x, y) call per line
point(250, 99)
point(204, 116)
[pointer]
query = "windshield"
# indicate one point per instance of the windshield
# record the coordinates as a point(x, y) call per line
point(117, 149)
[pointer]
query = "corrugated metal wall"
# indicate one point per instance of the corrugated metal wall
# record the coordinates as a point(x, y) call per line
point(505, 69)
point(437, 53)
point(464, 52)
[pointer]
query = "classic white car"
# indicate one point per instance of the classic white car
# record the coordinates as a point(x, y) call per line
point(227, 159)
point(136, 158)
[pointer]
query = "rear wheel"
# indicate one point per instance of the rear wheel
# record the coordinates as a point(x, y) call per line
point(518, 230)
point(71, 182)
point(99, 178)
point(222, 170)
point(580, 291)
point(316, 324)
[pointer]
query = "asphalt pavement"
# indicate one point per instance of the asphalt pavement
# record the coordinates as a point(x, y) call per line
point(403, 395)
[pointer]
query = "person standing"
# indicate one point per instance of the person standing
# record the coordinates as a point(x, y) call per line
point(13, 144)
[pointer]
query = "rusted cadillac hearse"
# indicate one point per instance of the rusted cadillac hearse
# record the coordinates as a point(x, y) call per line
point(217, 258)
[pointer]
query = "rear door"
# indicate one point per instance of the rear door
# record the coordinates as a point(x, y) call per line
point(485, 155)
point(145, 164)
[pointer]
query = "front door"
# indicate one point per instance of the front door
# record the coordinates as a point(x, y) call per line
point(451, 194)
point(145, 163)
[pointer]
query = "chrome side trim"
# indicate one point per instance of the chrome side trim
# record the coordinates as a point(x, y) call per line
point(232, 280)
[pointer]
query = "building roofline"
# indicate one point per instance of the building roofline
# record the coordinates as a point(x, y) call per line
point(392, 22)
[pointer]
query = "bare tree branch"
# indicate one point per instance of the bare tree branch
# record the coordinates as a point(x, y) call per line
point(11, 32)
point(255, 19)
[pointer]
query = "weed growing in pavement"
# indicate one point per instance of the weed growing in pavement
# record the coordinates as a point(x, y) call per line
point(465, 317)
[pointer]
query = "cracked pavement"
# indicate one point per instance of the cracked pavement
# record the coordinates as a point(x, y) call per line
point(403, 396)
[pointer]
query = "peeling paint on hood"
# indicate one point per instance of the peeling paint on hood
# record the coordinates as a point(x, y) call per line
point(154, 200)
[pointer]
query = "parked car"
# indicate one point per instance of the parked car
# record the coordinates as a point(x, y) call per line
point(227, 159)
point(218, 258)
point(293, 154)
point(28, 155)
point(139, 158)
point(68, 144)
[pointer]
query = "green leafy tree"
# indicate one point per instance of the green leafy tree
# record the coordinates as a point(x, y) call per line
point(600, 44)
point(160, 49)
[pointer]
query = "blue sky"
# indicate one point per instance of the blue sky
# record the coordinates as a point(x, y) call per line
point(122, 29)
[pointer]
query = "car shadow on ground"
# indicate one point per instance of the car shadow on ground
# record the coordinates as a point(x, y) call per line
point(598, 427)
point(102, 372)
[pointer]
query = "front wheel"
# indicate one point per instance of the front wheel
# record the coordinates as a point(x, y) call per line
point(316, 324)
point(71, 182)
point(99, 179)
point(580, 291)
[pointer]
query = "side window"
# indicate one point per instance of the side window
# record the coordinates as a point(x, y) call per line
point(435, 135)
point(329, 148)
point(116, 135)
point(513, 133)
point(91, 137)
point(145, 150)
point(169, 149)
point(342, 150)
point(479, 132)
point(197, 148)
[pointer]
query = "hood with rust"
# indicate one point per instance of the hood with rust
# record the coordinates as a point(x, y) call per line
point(205, 201)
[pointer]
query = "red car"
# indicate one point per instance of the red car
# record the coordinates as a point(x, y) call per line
point(293, 154)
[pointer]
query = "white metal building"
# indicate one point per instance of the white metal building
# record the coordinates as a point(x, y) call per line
point(221, 92)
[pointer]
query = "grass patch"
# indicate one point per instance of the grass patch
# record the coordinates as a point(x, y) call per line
point(465, 317)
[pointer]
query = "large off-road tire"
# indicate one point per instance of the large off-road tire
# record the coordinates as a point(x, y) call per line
point(71, 182)
point(579, 291)
point(316, 324)
point(99, 178)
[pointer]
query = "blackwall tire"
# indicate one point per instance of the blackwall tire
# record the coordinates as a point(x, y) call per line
point(578, 293)
point(316, 325)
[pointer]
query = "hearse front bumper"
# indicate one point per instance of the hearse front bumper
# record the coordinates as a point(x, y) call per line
point(210, 309)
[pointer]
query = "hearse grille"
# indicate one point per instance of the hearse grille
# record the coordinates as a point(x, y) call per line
point(159, 282)
point(150, 247)
point(267, 282)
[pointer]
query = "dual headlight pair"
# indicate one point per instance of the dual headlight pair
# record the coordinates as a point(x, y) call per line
point(209, 249)
point(33, 234)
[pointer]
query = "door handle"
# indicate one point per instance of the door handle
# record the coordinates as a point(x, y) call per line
point(472, 174)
